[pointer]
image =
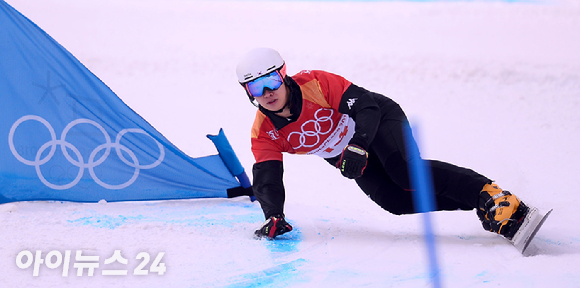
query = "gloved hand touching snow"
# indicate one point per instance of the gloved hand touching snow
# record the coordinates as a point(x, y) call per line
point(272, 227)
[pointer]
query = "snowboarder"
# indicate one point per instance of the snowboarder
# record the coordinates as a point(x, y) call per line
point(360, 133)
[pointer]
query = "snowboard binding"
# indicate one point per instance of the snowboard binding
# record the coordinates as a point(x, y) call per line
point(503, 213)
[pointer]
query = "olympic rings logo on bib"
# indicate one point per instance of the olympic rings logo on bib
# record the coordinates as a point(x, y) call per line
point(91, 162)
point(306, 135)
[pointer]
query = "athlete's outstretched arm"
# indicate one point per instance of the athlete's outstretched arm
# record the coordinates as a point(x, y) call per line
point(269, 187)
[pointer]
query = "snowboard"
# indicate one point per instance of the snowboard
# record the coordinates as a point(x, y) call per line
point(532, 222)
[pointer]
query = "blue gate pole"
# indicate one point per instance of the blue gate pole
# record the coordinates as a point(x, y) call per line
point(423, 198)
point(230, 158)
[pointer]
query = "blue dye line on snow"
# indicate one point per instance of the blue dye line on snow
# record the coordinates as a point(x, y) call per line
point(289, 273)
point(105, 221)
point(112, 222)
point(225, 214)
point(282, 275)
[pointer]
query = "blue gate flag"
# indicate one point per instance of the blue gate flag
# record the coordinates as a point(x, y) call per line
point(64, 135)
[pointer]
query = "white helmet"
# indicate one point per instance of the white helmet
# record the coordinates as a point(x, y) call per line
point(259, 62)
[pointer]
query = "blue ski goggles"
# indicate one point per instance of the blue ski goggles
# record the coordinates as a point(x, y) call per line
point(256, 87)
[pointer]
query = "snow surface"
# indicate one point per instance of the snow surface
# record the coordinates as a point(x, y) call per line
point(493, 86)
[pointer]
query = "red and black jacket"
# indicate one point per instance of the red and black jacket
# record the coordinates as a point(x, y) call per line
point(328, 113)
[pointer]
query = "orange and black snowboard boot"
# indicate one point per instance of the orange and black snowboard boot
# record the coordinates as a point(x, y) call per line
point(500, 211)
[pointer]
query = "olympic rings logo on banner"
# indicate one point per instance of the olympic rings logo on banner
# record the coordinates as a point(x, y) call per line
point(317, 129)
point(92, 162)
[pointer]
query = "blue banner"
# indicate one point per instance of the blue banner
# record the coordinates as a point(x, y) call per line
point(64, 135)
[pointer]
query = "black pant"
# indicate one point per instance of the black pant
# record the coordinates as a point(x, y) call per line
point(386, 178)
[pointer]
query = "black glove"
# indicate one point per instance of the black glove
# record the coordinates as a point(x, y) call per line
point(353, 161)
point(274, 226)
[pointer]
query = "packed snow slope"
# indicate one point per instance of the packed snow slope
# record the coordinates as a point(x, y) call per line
point(491, 85)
